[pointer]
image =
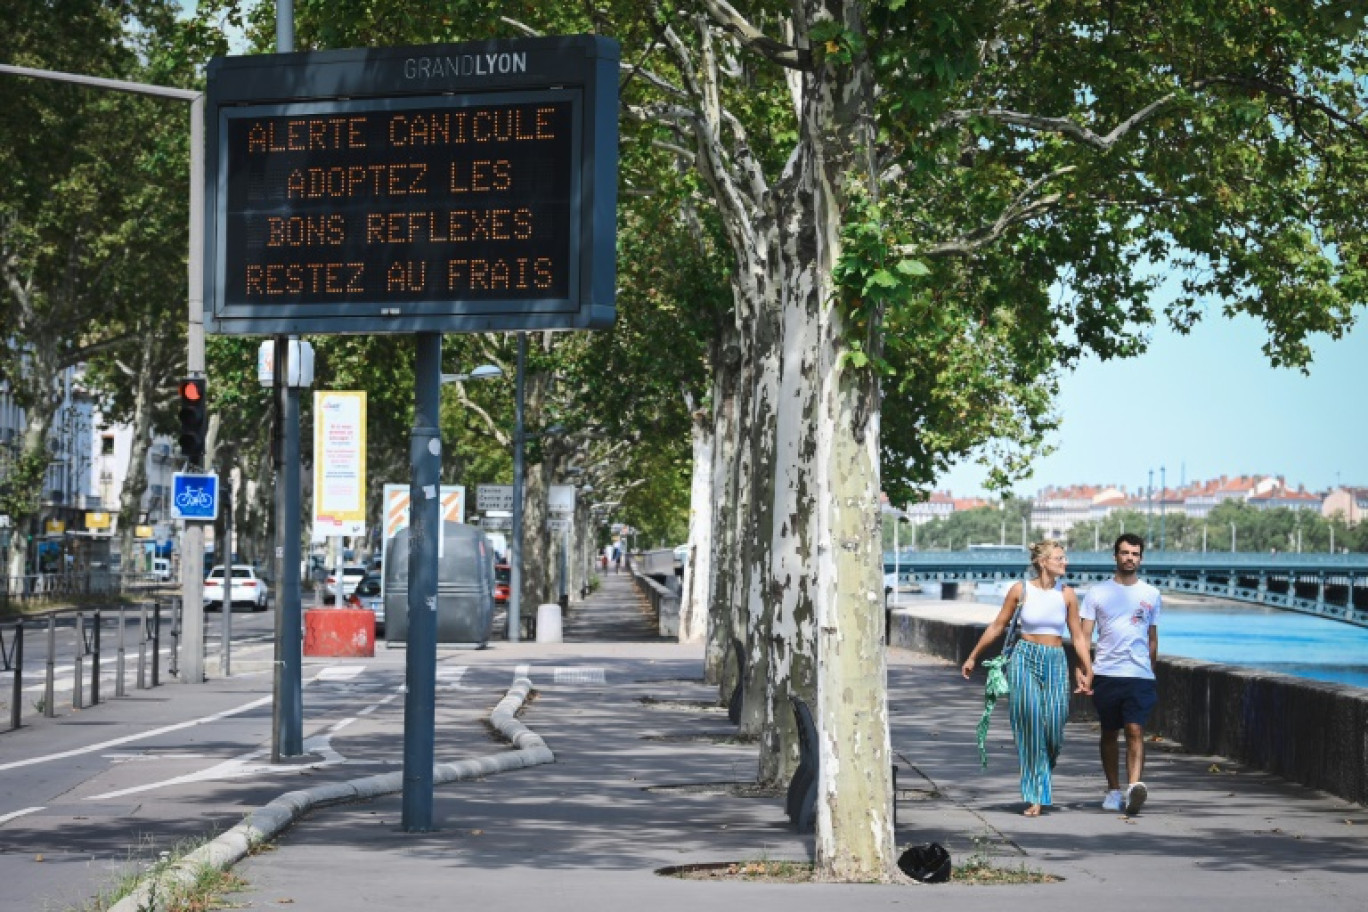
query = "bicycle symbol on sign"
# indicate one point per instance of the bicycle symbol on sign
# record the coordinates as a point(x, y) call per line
point(194, 497)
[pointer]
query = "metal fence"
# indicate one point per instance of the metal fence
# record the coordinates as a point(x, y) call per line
point(36, 588)
point(77, 653)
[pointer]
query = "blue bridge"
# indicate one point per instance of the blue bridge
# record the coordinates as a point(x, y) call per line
point(1333, 586)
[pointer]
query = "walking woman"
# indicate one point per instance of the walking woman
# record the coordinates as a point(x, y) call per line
point(1038, 671)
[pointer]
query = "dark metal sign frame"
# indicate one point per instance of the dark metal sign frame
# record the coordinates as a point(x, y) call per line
point(448, 188)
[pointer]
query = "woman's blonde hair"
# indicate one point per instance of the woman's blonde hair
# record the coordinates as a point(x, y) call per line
point(1041, 549)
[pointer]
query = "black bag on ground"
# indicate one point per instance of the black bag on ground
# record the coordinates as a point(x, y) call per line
point(928, 863)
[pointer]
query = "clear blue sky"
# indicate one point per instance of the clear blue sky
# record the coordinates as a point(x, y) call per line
point(1204, 405)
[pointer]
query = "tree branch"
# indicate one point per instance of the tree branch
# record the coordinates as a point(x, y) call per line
point(1020, 209)
point(1061, 125)
point(786, 55)
point(1282, 91)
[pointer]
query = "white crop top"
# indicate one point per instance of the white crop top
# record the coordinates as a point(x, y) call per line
point(1043, 612)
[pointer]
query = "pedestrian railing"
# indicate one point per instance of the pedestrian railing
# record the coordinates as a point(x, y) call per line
point(74, 655)
point(36, 588)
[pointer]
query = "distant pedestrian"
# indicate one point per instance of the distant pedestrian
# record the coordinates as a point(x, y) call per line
point(1125, 612)
point(617, 557)
point(1037, 670)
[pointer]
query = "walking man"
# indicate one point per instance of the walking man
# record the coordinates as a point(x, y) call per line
point(1125, 611)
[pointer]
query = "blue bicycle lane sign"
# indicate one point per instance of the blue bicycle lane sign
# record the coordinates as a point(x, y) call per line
point(194, 496)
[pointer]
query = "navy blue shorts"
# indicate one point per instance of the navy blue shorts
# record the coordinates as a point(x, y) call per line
point(1123, 701)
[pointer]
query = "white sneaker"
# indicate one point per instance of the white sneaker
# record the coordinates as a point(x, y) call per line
point(1135, 797)
point(1113, 801)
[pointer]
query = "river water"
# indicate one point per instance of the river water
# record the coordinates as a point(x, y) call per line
point(1235, 633)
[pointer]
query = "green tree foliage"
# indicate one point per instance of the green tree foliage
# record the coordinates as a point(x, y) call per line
point(1053, 164)
point(998, 524)
point(92, 221)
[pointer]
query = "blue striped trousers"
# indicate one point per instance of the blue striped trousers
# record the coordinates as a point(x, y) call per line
point(1039, 680)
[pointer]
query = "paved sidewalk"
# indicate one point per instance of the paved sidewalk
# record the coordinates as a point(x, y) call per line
point(646, 773)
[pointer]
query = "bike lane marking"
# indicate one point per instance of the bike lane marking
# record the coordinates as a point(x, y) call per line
point(127, 739)
point(6, 818)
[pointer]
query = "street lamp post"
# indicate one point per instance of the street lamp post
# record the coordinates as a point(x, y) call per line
point(1232, 536)
point(1163, 497)
point(1149, 507)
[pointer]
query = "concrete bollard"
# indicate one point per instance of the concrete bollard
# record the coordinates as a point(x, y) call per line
point(339, 632)
point(549, 623)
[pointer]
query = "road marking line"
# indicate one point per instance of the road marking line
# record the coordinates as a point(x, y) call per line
point(240, 767)
point(340, 672)
point(591, 675)
point(13, 814)
point(379, 703)
point(127, 739)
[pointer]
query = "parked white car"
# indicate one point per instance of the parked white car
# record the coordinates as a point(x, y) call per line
point(247, 588)
point(351, 575)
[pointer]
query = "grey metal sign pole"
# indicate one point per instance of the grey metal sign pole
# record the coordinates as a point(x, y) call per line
point(515, 546)
point(425, 524)
point(288, 718)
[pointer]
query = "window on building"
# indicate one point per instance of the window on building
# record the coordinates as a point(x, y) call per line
point(107, 445)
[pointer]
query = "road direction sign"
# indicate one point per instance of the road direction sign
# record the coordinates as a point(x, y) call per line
point(560, 500)
point(496, 497)
point(194, 496)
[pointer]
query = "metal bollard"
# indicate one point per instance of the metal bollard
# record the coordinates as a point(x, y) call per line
point(142, 646)
point(17, 703)
point(78, 665)
point(95, 662)
point(156, 644)
point(16, 662)
point(173, 667)
point(49, 692)
point(119, 660)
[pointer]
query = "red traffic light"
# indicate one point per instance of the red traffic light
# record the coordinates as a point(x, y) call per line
point(194, 417)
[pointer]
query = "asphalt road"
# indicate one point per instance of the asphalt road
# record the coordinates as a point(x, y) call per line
point(72, 785)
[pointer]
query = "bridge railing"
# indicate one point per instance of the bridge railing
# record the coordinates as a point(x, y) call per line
point(1338, 581)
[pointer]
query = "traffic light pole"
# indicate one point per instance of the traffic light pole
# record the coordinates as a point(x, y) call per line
point(192, 542)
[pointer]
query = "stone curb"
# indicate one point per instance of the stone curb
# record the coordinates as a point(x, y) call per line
point(269, 821)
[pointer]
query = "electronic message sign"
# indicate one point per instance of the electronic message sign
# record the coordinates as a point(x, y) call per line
point(454, 188)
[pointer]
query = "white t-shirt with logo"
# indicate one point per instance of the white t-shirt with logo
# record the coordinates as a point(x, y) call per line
point(1124, 616)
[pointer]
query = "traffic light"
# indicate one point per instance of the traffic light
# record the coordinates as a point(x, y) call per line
point(194, 417)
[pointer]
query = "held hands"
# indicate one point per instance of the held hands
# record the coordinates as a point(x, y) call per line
point(1083, 680)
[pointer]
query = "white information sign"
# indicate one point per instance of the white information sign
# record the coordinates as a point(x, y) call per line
point(560, 500)
point(339, 464)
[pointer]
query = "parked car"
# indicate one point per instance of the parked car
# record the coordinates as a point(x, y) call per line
point(503, 578)
point(247, 588)
point(352, 575)
point(367, 594)
point(161, 569)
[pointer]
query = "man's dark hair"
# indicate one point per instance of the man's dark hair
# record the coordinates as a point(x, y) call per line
point(1129, 538)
